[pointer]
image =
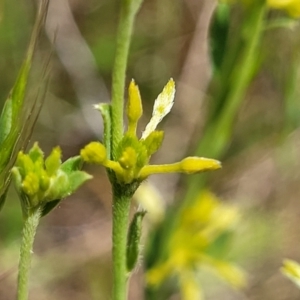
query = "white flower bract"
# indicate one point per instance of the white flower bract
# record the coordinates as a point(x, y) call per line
point(162, 107)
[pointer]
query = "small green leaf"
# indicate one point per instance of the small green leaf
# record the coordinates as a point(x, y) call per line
point(133, 241)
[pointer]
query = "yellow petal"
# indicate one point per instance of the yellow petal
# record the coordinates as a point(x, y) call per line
point(291, 269)
point(190, 289)
point(194, 164)
point(134, 107)
point(94, 152)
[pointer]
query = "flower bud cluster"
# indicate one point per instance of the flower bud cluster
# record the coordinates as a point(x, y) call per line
point(131, 162)
point(40, 181)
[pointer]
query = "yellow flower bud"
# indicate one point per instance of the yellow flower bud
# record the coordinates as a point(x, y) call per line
point(134, 107)
point(30, 184)
point(44, 180)
point(128, 158)
point(195, 164)
point(94, 152)
point(53, 161)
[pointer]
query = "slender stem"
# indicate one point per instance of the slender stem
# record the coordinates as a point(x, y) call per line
point(119, 73)
point(121, 207)
point(29, 230)
point(121, 199)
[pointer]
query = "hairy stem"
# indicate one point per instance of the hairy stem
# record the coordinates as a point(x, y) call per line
point(124, 34)
point(121, 199)
point(29, 230)
point(121, 207)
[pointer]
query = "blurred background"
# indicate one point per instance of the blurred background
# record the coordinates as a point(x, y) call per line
point(172, 38)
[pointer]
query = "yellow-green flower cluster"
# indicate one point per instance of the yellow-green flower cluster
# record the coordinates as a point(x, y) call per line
point(189, 247)
point(40, 181)
point(131, 162)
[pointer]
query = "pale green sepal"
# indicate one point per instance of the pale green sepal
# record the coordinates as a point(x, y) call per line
point(68, 187)
point(76, 179)
point(36, 153)
point(72, 164)
point(153, 141)
point(133, 240)
point(105, 110)
point(58, 187)
point(64, 185)
point(17, 177)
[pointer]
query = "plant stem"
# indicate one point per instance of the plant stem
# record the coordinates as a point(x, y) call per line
point(124, 33)
point(121, 207)
point(29, 230)
point(121, 199)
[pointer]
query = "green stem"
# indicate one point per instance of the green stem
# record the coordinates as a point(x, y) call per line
point(121, 207)
point(29, 230)
point(125, 28)
point(121, 199)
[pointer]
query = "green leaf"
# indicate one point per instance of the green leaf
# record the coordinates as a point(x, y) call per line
point(17, 118)
point(133, 241)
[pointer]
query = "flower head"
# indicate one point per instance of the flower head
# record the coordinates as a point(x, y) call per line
point(133, 154)
point(40, 181)
point(190, 247)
